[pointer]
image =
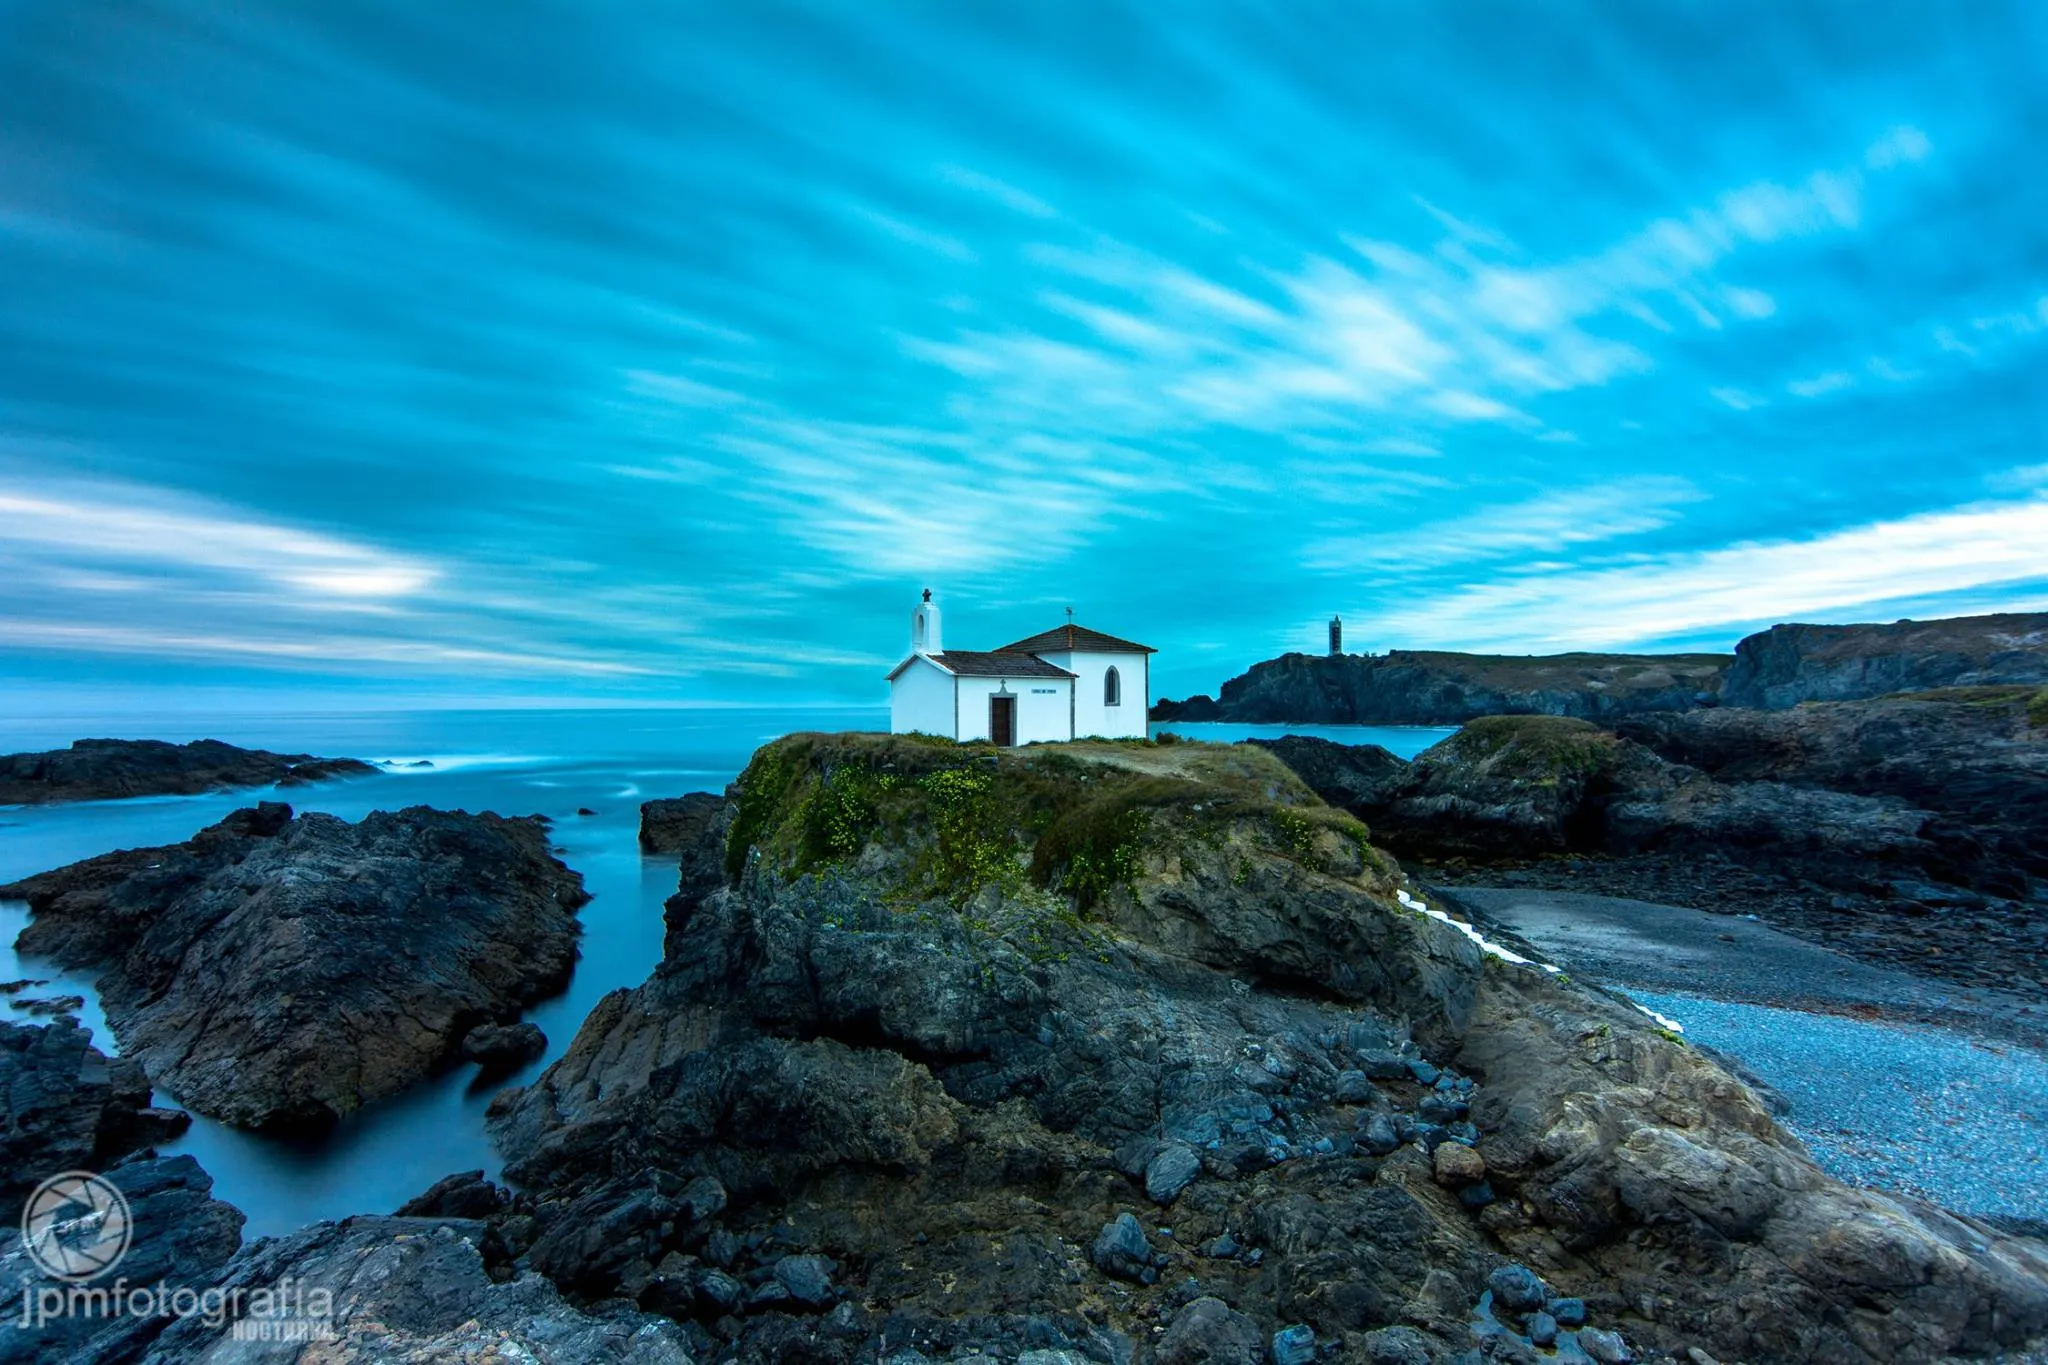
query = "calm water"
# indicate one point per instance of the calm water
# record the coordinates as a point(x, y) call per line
point(514, 762)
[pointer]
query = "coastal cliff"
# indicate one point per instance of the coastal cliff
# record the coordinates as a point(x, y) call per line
point(1789, 664)
point(1409, 687)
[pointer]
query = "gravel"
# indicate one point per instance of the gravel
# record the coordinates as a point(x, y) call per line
point(1898, 1107)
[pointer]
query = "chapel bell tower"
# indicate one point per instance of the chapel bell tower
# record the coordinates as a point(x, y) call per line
point(924, 627)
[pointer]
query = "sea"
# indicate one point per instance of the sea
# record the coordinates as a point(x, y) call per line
point(525, 761)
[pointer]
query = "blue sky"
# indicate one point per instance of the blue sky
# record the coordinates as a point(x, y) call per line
point(608, 351)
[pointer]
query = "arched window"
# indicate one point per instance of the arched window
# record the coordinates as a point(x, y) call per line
point(1112, 689)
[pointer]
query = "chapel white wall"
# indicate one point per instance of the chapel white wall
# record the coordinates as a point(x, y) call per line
point(1091, 717)
point(921, 700)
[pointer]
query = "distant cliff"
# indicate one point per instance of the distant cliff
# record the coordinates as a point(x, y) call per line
point(1407, 687)
point(1786, 665)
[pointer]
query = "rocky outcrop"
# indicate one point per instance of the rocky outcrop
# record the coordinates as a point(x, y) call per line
point(676, 824)
point(278, 973)
point(1976, 756)
point(1412, 687)
point(377, 1290)
point(66, 1106)
point(104, 769)
point(1789, 664)
point(1043, 1050)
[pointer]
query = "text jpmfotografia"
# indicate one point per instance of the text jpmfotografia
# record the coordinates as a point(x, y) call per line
point(286, 1311)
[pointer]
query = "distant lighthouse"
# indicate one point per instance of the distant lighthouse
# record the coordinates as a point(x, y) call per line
point(1336, 636)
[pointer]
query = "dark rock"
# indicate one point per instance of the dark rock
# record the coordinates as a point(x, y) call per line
point(178, 1235)
point(463, 1195)
point(1352, 1087)
point(105, 769)
point(1517, 1288)
point(1294, 1345)
point(1348, 776)
point(279, 973)
point(1209, 1331)
point(589, 1244)
point(49, 1006)
point(503, 1048)
point(1568, 1312)
point(1379, 1135)
point(1542, 1329)
point(720, 1290)
point(1121, 1250)
point(1170, 1172)
point(69, 1107)
point(585, 810)
point(808, 1279)
point(673, 824)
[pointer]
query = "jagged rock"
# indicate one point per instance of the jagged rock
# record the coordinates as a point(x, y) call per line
point(1121, 1250)
point(949, 998)
point(1170, 1172)
point(278, 973)
point(1396, 1346)
point(678, 824)
point(104, 769)
point(68, 1106)
point(465, 1194)
point(1210, 1332)
point(179, 1235)
point(503, 1048)
point(1789, 664)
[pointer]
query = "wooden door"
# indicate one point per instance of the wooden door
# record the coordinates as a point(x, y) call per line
point(1002, 721)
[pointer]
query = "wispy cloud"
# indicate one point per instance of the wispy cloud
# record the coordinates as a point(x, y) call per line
point(1820, 384)
point(1546, 524)
point(1964, 549)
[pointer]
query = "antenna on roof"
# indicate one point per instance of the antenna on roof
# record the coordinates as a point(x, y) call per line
point(1070, 616)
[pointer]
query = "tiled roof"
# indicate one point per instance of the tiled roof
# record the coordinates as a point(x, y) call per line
point(998, 663)
point(1076, 637)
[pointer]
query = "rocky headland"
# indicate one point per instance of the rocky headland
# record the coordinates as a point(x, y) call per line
point(1418, 687)
point(1911, 830)
point(106, 769)
point(1121, 1052)
point(277, 972)
point(1772, 670)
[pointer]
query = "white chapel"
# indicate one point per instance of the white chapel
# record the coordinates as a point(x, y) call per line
point(1067, 683)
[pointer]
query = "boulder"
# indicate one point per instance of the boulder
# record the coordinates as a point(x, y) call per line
point(503, 1048)
point(278, 973)
point(1209, 1331)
